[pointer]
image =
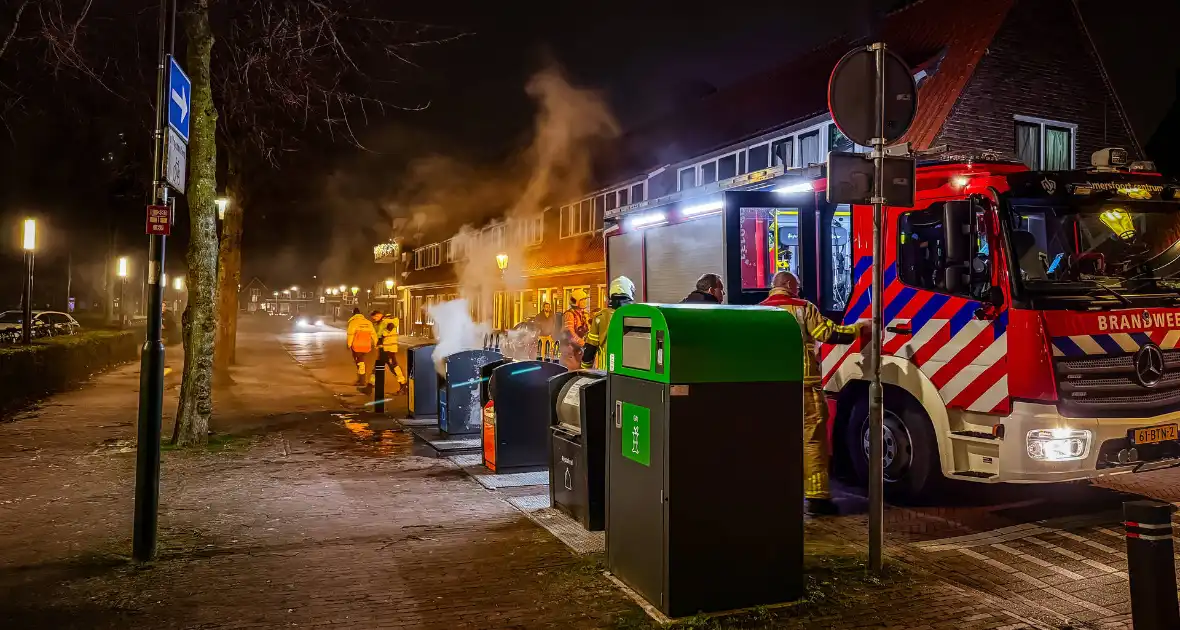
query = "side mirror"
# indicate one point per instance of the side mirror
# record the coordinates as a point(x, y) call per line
point(956, 227)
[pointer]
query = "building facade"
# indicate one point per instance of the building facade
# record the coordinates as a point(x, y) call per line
point(1018, 79)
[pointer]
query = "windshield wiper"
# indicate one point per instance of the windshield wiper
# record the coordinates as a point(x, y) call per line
point(1059, 285)
point(1122, 298)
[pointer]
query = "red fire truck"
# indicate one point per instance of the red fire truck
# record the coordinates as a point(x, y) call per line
point(1032, 318)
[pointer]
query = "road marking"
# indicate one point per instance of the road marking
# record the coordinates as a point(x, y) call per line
point(1009, 569)
point(1039, 562)
point(1001, 535)
point(1105, 568)
point(1087, 541)
point(1105, 612)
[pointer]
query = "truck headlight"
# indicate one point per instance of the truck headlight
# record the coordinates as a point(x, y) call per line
point(1058, 445)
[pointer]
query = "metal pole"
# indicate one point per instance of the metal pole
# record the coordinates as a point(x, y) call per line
point(151, 370)
point(379, 382)
point(69, 277)
point(1151, 565)
point(876, 408)
point(27, 315)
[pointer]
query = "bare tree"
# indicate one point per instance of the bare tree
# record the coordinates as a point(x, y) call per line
point(280, 70)
point(288, 68)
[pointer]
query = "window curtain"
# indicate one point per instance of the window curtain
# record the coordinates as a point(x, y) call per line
point(1057, 149)
point(1028, 144)
point(809, 149)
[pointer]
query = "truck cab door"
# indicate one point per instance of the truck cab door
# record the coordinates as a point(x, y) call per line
point(767, 232)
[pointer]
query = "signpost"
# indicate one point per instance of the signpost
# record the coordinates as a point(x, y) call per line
point(176, 162)
point(159, 220)
point(180, 93)
point(173, 94)
point(873, 100)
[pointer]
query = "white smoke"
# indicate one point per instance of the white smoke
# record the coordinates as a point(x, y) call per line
point(454, 331)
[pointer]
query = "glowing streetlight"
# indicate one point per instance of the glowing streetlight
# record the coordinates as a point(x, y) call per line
point(355, 290)
point(294, 289)
point(276, 294)
point(29, 243)
point(502, 261)
point(178, 283)
point(29, 237)
point(389, 284)
point(222, 204)
point(122, 271)
point(343, 288)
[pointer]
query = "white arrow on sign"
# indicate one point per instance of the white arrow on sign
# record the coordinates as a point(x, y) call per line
point(181, 102)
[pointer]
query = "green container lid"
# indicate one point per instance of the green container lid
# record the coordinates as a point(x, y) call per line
point(706, 343)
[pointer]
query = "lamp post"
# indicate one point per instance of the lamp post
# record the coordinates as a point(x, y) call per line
point(178, 285)
point(389, 292)
point(505, 314)
point(222, 204)
point(123, 271)
point(28, 243)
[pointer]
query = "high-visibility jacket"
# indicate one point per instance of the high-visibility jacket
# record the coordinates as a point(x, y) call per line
point(594, 353)
point(816, 329)
point(387, 331)
point(362, 337)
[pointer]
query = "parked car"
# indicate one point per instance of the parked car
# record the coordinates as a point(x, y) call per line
point(45, 324)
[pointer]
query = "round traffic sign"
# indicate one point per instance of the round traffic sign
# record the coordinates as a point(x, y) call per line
point(851, 96)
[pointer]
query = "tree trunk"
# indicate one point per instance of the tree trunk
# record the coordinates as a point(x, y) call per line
point(229, 272)
point(196, 392)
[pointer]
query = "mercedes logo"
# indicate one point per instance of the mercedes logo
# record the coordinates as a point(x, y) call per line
point(1149, 365)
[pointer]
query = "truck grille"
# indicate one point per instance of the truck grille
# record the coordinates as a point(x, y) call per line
point(1106, 386)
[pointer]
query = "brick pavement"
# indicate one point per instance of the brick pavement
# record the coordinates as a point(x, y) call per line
point(323, 516)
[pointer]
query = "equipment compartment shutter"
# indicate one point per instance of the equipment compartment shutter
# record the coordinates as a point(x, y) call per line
point(626, 259)
point(678, 254)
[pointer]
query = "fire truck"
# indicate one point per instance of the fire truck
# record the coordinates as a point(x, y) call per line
point(1032, 319)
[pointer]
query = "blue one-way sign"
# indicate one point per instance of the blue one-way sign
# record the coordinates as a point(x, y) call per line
point(180, 92)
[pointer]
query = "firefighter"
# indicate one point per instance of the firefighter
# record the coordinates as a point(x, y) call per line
point(622, 291)
point(387, 332)
point(361, 337)
point(816, 329)
point(573, 329)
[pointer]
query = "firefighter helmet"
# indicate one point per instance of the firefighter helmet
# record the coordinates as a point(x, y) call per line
point(622, 286)
point(577, 295)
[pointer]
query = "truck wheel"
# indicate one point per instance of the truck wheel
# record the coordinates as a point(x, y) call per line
point(911, 452)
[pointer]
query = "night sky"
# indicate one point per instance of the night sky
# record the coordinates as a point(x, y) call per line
point(644, 57)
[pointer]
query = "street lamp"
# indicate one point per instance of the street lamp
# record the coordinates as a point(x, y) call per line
point(355, 290)
point(28, 243)
point(122, 271)
point(343, 288)
point(389, 284)
point(502, 261)
point(222, 204)
point(178, 283)
point(294, 289)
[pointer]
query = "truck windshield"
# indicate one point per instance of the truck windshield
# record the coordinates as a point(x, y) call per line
point(1108, 245)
